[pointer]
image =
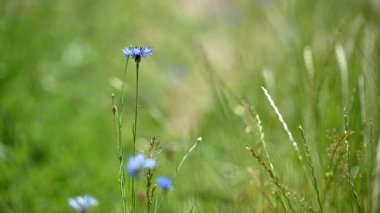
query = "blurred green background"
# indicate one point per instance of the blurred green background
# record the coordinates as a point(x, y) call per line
point(61, 60)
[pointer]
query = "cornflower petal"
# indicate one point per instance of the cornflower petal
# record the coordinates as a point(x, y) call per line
point(82, 203)
point(127, 52)
point(147, 51)
point(140, 157)
point(136, 51)
point(150, 163)
point(73, 203)
point(90, 201)
point(135, 164)
point(164, 182)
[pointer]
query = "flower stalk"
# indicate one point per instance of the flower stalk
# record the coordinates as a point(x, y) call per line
point(137, 53)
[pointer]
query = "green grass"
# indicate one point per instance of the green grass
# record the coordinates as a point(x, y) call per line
point(61, 61)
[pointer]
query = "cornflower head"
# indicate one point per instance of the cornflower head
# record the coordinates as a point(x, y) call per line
point(150, 163)
point(164, 182)
point(137, 52)
point(137, 163)
point(82, 203)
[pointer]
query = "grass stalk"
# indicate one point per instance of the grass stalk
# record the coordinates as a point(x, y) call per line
point(376, 183)
point(310, 164)
point(123, 93)
point(149, 189)
point(291, 138)
point(301, 200)
point(153, 149)
point(274, 178)
point(362, 98)
point(347, 165)
point(342, 62)
point(199, 140)
point(158, 204)
point(335, 159)
point(255, 116)
point(308, 60)
point(261, 132)
point(118, 120)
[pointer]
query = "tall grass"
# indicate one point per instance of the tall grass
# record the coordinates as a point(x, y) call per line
point(318, 64)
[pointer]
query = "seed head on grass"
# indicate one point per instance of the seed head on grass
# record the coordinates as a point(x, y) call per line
point(82, 203)
point(274, 178)
point(291, 138)
point(312, 169)
point(153, 149)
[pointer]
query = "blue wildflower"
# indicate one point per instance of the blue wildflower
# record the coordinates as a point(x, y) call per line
point(150, 163)
point(164, 182)
point(82, 203)
point(137, 52)
point(137, 163)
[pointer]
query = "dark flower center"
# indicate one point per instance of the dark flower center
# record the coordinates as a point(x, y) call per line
point(138, 58)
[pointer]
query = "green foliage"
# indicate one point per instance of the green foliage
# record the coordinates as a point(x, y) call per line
point(61, 60)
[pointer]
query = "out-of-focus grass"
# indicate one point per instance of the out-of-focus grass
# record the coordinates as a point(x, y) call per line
point(60, 61)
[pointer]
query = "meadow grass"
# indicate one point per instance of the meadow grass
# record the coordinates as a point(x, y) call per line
point(284, 96)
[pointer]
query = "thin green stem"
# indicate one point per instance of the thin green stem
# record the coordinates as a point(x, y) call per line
point(149, 189)
point(120, 147)
point(121, 173)
point(199, 140)
point(135, 134)
point(133, 198)
point(136, 103)
point(119, 155)
point(275, 179)
point(157, 206)
point(118, 116)
point(347, 164)
point(310, 164)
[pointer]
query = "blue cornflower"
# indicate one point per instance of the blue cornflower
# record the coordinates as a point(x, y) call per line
point(82, 203)
point(164, 182)
point(137, 52)
point(150, 163)
point(137, 163)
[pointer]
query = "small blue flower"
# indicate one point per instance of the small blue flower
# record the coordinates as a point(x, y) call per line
point(82, 203)
point(164, 182)
point(150, 163)
point(137, 52)
point(138, 163)
point(135, 164)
